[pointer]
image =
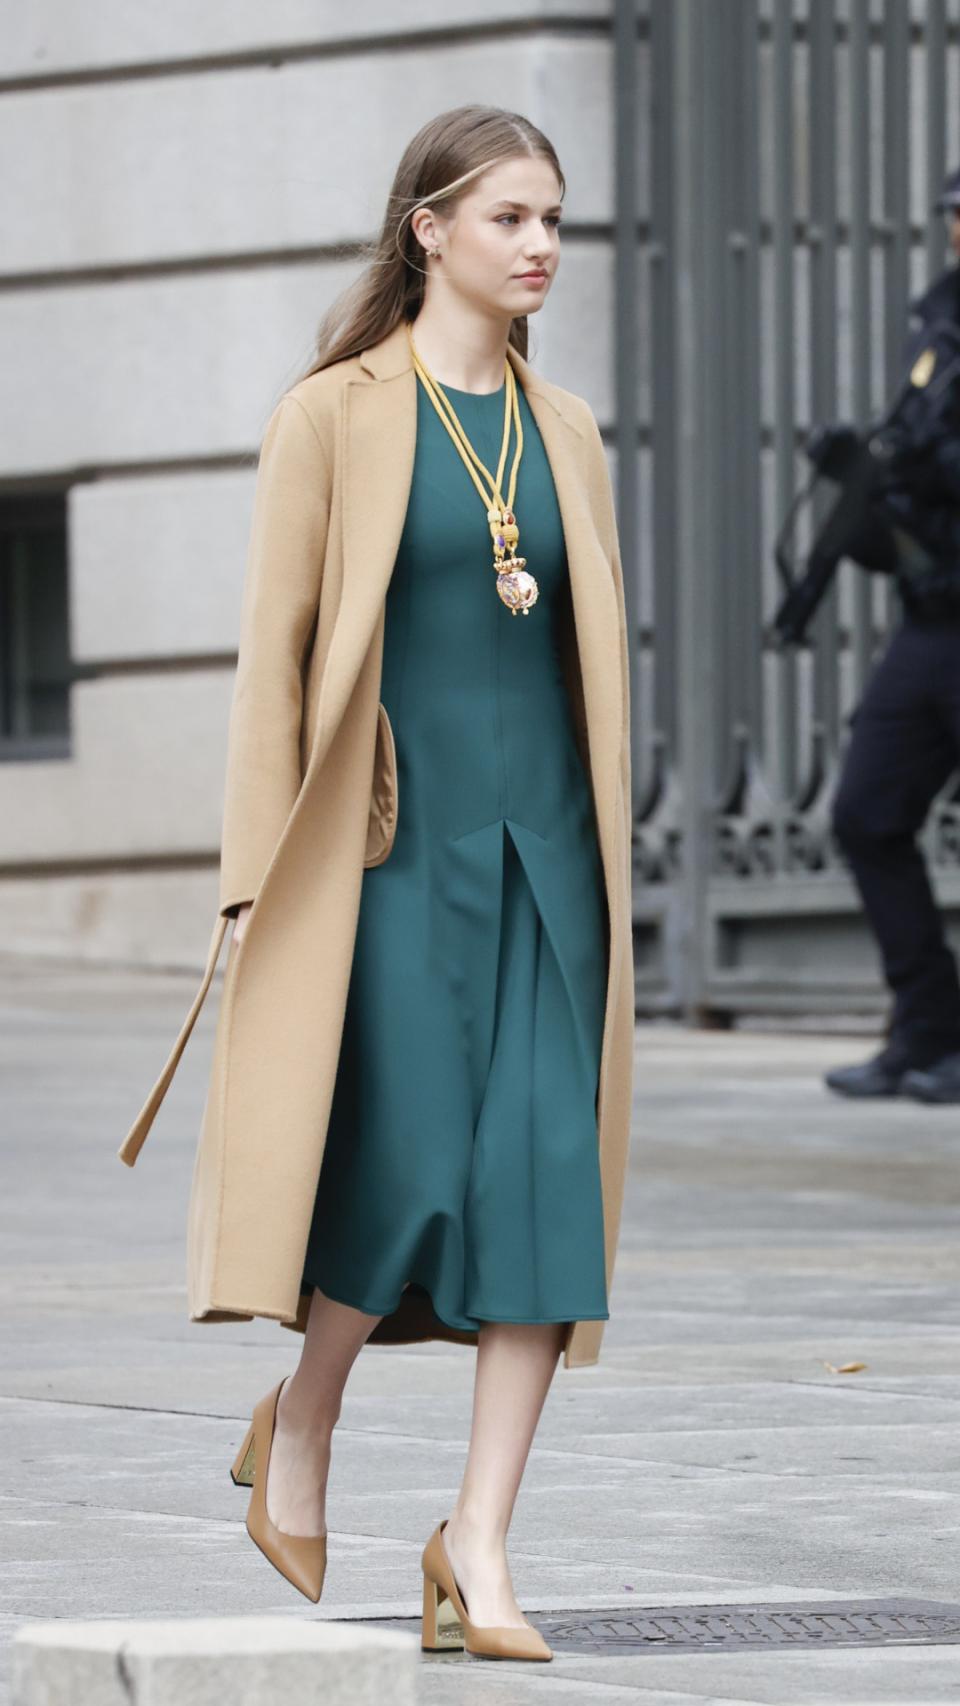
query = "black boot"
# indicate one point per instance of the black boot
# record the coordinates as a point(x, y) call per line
point(937, 1083)
point(883, 1075)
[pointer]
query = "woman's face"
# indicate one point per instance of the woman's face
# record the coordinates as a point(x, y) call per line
point(506, 226)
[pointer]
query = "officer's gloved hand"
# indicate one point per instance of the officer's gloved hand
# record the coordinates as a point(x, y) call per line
point(831, 449)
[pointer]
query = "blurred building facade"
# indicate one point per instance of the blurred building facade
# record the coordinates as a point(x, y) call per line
point(747, 211)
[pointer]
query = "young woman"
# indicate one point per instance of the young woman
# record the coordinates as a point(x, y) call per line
point(418, 1117)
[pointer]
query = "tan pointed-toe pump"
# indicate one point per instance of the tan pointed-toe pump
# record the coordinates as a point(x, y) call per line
point(446, 1626)
point(302, 1558)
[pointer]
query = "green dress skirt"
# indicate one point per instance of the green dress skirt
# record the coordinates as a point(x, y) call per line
point(461, 1157)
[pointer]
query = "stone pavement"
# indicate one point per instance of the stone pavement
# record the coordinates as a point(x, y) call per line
point(710, 1456)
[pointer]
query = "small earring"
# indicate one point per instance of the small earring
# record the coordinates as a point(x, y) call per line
point(433, 253)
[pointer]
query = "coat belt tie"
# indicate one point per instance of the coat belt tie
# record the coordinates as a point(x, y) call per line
point(133, 1142)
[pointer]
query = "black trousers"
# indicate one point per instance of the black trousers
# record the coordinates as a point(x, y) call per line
point(905, 743)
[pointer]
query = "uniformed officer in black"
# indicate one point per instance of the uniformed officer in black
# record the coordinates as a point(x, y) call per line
point(905, 745)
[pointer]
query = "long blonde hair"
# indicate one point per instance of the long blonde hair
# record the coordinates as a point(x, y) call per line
point(437, 166)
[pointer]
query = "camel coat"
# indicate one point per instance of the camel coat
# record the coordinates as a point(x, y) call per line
point(311, 798)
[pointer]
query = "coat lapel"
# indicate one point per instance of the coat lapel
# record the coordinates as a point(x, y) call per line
point(378, 448)
point(379, 435)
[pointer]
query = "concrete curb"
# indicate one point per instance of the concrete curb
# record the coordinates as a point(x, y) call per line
point(206, 1660)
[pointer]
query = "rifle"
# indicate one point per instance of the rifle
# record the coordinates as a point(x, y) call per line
point(857, 526)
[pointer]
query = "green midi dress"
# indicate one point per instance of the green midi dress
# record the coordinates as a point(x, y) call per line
point(461, 1156)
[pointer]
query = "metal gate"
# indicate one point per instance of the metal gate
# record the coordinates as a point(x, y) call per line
point(777, 162)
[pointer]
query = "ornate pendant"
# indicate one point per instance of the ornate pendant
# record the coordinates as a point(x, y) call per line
point(517, 589)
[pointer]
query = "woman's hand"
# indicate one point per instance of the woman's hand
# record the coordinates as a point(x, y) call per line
point(240, 922)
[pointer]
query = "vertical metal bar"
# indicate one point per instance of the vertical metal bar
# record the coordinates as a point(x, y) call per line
point(626, 285)
point(717, 164)
point(720, 165)
point(742, 402)
point(953, 85)
point(662, 286)
point(896, 84)
point(860, 287)
point(696, 551)
point(784, 380)
point(822, 237)
point(896, 220)
point(935, 29)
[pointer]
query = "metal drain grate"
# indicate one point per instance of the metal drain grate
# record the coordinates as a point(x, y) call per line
point(694, 1628)
point(735, 1628)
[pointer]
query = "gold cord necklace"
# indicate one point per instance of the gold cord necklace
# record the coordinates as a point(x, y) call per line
point(517, 589)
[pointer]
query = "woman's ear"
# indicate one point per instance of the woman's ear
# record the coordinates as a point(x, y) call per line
point(424, 229)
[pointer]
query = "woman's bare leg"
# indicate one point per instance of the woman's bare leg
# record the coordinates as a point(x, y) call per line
point(515, 1365)
point(307, 1412)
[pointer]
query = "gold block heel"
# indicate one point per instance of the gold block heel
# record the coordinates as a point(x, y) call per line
point(446, 1625)
point(241, 1473)
point(442, 1629)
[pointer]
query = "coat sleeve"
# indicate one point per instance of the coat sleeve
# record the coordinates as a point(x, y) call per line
point(279, 605)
